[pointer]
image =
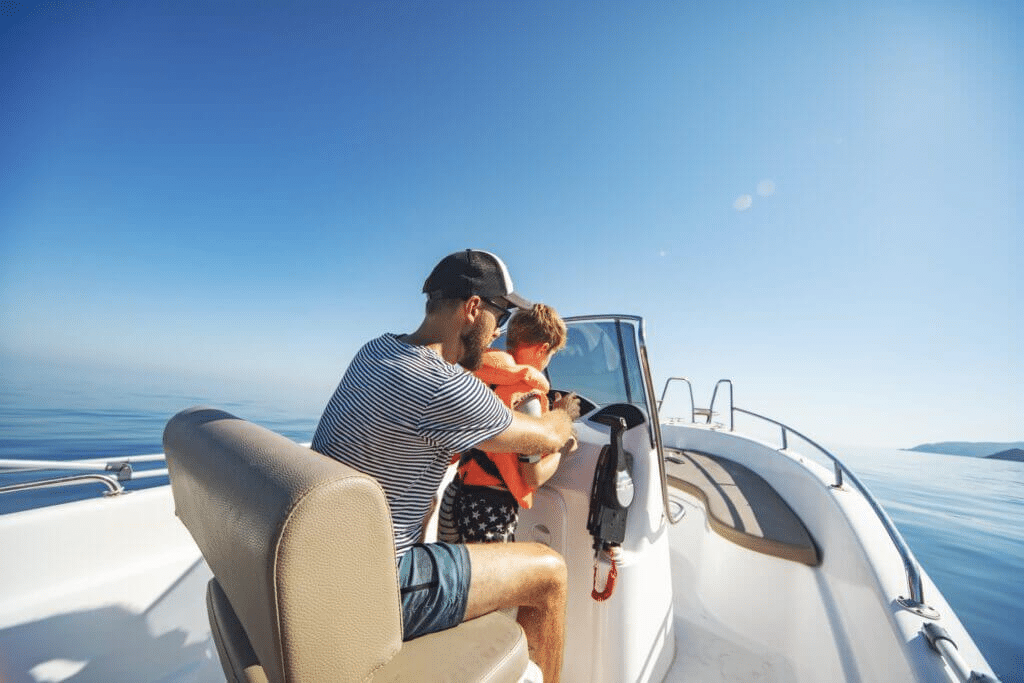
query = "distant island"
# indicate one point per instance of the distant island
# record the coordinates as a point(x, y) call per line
point(975, 449)
point(1015, 454)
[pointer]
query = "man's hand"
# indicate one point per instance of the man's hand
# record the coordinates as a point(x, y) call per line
point(545, 434)
point(570, 403)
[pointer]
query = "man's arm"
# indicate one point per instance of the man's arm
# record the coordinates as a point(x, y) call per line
point(544, 434)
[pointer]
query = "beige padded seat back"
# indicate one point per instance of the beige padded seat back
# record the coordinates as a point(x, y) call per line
point(300, 545)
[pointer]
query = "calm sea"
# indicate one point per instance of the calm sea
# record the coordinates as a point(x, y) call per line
point(963, 517)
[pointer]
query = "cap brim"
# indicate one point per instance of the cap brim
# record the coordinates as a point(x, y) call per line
point(516, 301)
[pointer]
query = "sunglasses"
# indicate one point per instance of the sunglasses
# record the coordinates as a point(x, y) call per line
point(503, 313)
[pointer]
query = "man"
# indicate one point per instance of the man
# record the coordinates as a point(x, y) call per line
point(404, 407)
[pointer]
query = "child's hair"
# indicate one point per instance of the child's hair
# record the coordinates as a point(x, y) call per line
point(539, 325)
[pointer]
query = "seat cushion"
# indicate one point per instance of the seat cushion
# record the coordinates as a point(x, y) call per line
point(489, 649)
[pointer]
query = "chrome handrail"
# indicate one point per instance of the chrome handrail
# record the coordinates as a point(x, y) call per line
point(940, 641)
point(714, 394)
point(150, 474)
point(114, 487)
point(11, 465)
point(108, 471)
point(664, 391)
point(915, 602)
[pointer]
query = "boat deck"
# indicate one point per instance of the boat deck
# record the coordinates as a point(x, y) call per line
point(705, 648)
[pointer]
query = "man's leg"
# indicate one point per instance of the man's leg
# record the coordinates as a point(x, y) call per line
point(530, 576)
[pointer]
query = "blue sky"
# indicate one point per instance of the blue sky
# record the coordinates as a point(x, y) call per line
point(820, 201)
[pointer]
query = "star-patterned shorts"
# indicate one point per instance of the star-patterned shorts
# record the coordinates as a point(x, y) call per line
point(478, 514)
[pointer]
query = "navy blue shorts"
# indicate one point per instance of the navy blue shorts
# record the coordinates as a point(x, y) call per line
point(434, 582)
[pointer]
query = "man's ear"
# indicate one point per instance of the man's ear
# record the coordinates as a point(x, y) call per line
point(471, 308)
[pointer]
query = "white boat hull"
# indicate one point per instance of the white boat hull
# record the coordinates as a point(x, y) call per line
point(106, 589)
point(112, 589)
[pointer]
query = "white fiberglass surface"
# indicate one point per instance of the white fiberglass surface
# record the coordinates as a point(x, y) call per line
point(744, 616)
point(741, 615)
point(101, 590)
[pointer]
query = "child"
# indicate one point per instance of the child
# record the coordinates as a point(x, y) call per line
point(481, 505)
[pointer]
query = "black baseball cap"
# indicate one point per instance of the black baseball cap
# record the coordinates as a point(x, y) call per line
point(472, 272)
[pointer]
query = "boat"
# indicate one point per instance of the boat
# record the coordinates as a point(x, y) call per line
point(698, 549)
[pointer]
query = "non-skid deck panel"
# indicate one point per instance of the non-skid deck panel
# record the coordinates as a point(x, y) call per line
point(742, 506)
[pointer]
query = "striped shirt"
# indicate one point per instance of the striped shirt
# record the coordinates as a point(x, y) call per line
point(399, 414)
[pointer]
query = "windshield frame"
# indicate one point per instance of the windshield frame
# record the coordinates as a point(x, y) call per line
point(643, 395)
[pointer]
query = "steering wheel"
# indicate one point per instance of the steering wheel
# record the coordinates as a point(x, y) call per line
point(586, 405)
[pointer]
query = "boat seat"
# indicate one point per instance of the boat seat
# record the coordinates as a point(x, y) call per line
point(305, 583)
point(741, 505)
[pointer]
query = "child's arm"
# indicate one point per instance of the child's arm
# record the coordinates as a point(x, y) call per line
point(537, 470)
point(536, 473)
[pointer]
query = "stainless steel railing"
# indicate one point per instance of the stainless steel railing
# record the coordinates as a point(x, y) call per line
point(689, 385)
point(111, 472)
point(947, 649)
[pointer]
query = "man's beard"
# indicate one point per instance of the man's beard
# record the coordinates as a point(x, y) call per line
point(475, 341)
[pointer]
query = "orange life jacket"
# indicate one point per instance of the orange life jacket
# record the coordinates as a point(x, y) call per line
point(513, 383)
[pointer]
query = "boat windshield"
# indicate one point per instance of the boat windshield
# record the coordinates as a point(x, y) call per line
point(601, 362)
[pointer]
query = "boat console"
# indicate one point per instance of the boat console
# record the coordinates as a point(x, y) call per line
point(604, 636)
point(603, 510)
